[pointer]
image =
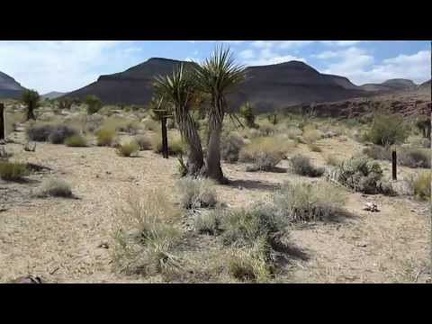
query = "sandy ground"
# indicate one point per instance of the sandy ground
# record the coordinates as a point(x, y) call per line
point(60, 239)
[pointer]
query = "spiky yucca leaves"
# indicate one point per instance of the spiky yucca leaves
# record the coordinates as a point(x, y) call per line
point(217, 76)
point(177, 91)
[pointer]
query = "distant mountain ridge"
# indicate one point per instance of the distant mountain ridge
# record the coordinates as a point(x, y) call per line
point(390, 85)
point(53, 95)
point(267, 87)
point(9, 87)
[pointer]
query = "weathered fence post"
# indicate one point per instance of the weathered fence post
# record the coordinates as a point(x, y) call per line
point(164, 137)
point(394, 163)
point(2, 123)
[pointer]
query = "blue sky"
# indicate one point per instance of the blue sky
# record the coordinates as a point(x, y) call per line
point(69, 65)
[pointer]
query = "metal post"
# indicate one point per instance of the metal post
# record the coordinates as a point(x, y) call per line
point(164, 137)
point(394, 160)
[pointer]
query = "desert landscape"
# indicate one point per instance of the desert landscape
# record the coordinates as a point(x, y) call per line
point(306, 195)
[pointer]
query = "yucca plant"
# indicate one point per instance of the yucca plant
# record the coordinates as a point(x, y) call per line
point(217, 76)
point(176, 93)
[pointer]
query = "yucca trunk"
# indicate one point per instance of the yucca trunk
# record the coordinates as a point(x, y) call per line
point(30, 112)
point(189, 133)
point(213, 159)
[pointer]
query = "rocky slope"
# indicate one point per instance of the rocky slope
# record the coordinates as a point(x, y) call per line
point(9, 88)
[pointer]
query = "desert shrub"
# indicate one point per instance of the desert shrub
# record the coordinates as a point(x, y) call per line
point(243, 227)
point(314, 148)
point(196, 193)
point(181, 166)
point(11, 171)
point(105, 136)
point(410, 157)
point(302, 165)
point(414, 158)
point(265, 128)
point(39, 132)
point(230, 147)
point(144, 241)
point(311, 134)
point(93, 123)
point(377, 152)
point(175, 145)
point(423, 123)
point(54, 188)
point(247, 112)
point(94, 104)
point(248, 265)
point(122, 125)
point(128, 149)
point(293, 132)
point(143, 142)
point(151, 125)
point(422, 185)
point(60, 133)
point(208, 223)
point(362, 175)
point(264, 152)
point(387, 130)
point(332, 160)
point(305, 202)
point(76, 141)
point(31, 99)
point(54, 133)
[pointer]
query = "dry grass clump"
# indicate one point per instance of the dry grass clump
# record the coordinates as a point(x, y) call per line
point(196, 193)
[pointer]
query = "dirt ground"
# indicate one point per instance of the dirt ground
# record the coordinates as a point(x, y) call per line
point(62, 240)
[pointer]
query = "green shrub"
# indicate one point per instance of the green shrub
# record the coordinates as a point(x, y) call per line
point(105, 136)
point(264, 152)
point(305, 202)
point(410, 157)
point(196, 193)
point(387, 130)
point(230, 147)
point(362, 175)
point(11, 171)
point(314, 148)
point(175, 145)
point(143, 142)
point(422, 186)
point(248, 265)
point(127, 149)
point(301, 165)
point(76, 141)
point(94, 104)
point(247, 112)
point(54, 188)
point(208, 223)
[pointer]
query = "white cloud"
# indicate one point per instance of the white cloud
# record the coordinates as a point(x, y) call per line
point(280, 44)
point(340, 43)
point(360, 66)
point(266, 56)
point(64, 65)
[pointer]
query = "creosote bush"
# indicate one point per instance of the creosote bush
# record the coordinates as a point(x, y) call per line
point(196, 193)
point(143, 142)
point(406, 156)
point(362, 175)
point(128, 149)
point(302, 165)
point(105, 136)
point(54, 188)
point(387, 130)
point(12, 171)
point(76, 141)
point(231, 146)
point(175, 145)
point(54, 133)
point(422, 185)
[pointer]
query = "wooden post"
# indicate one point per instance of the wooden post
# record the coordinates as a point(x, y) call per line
point(2, 123)
point(394, 160)
point(164, 137)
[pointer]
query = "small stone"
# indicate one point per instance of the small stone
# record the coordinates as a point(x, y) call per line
point(103, 245)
